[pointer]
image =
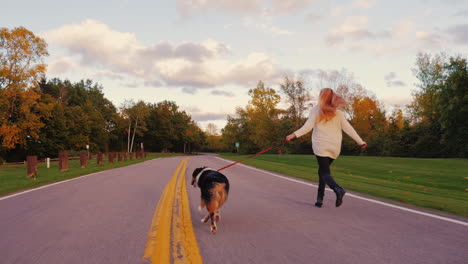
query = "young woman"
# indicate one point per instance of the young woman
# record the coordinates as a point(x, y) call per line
point(327, 122)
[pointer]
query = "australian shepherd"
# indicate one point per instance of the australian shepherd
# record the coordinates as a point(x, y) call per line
point(214, 187)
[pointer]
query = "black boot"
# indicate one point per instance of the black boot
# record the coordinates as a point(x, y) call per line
point(340, 192)
point(319, 203)
point(319, 200)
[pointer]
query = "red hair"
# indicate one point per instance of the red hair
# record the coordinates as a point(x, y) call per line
point(329, 101)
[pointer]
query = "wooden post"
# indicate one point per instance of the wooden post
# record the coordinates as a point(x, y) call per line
point(83, 159)
point(32, 166)
point(131, 155)
point(99, 158)
point(63, 161)
point(111, 157)
point(120, 158)
point(125, 156)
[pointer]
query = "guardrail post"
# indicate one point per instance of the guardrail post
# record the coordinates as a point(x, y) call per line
point(83, 159)
point(32, 166)
point(99, 158)
point(63, 161)
point(111, 157)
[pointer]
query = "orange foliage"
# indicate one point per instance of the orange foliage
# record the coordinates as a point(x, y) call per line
point(21, 68)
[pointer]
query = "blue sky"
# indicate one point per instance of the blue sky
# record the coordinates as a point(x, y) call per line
point(206, 54)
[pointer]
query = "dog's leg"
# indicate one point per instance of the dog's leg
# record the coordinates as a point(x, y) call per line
point(205, 219)
point(201, 206)
point(213, 223)
point(217, 216)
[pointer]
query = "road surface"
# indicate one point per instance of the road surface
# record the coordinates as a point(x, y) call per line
point(106, 217)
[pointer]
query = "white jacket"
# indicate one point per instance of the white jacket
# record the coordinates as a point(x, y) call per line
point(327, 136)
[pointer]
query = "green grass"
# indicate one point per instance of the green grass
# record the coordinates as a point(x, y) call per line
point(440, 184)
point(13, 177)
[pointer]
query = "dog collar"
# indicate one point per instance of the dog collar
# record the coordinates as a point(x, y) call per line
point(198, 176)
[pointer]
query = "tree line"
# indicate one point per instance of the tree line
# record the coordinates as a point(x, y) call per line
point(435, 124)
point(40, 116)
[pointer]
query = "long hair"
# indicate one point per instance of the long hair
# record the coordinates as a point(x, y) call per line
point(329, 101)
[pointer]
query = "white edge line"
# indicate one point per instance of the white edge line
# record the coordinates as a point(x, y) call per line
point(64, 181)
point(359, 197)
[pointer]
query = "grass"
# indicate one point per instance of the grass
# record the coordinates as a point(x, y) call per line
point(440, 184)
point(13, 177)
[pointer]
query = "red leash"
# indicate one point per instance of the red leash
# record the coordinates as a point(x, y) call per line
point(254, 155)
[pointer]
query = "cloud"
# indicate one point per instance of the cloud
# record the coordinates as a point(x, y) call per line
point(119, 55)
point(396, 100)
point(265, 27)
point(356, 5)
point(462, 13)
point(61, 65)
point(314, 18)
point(391, 80)
point(222, 93)
point(353, 27)
point(263, 7)
point(429, 39)
point(190, 7)
point(402, 29)
point(208, 116)
point(459, 33)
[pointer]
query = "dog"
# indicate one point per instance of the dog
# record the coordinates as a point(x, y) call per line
point(214, 187)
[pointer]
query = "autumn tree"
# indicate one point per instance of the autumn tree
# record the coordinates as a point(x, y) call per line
point(297, 96)
point(21, 67)
point(135, 115)
point(212, 138)
point(262, 115)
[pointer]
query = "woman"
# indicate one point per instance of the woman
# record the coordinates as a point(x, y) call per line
point(327, 122)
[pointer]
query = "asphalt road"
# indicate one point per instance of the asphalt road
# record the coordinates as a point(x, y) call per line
point(105, 217)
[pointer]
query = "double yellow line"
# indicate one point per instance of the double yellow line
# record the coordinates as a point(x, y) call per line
point(172, 220)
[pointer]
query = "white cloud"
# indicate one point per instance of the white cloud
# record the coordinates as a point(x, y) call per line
point(352, 27)
point(222, 93)
point(392, 81)
point(429, 39)
point(402, 29)
point(61, 65)
point(459, 33)
point(191, 65)
point(265, 27)
point(356, 5)
point(263, 7)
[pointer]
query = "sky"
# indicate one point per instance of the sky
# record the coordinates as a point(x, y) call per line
point(205, 55)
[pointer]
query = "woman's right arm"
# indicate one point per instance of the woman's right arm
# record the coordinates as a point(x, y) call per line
point(306, 128)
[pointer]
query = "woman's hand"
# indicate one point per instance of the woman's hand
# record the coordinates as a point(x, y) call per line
point(364, 145)
point(288, 138)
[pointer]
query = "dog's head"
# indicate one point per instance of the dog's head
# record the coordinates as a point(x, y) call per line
point(195, 174)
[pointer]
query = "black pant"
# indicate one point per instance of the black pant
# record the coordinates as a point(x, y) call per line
point(325, 175)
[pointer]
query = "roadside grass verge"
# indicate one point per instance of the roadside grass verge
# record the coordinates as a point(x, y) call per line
point(440, 184)
point(13, 177)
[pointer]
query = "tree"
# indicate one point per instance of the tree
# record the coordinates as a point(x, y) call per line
point(453, 108)
point(262, 115)
point(297, 95)
point(135, 115)
point(21, 67)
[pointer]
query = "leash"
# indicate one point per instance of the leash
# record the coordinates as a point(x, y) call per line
point(254, 155)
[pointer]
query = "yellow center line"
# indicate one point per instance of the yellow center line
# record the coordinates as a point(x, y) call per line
point(184, 244)
point(173, 214)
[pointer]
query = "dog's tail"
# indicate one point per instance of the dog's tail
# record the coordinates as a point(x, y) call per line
point(220, 194)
